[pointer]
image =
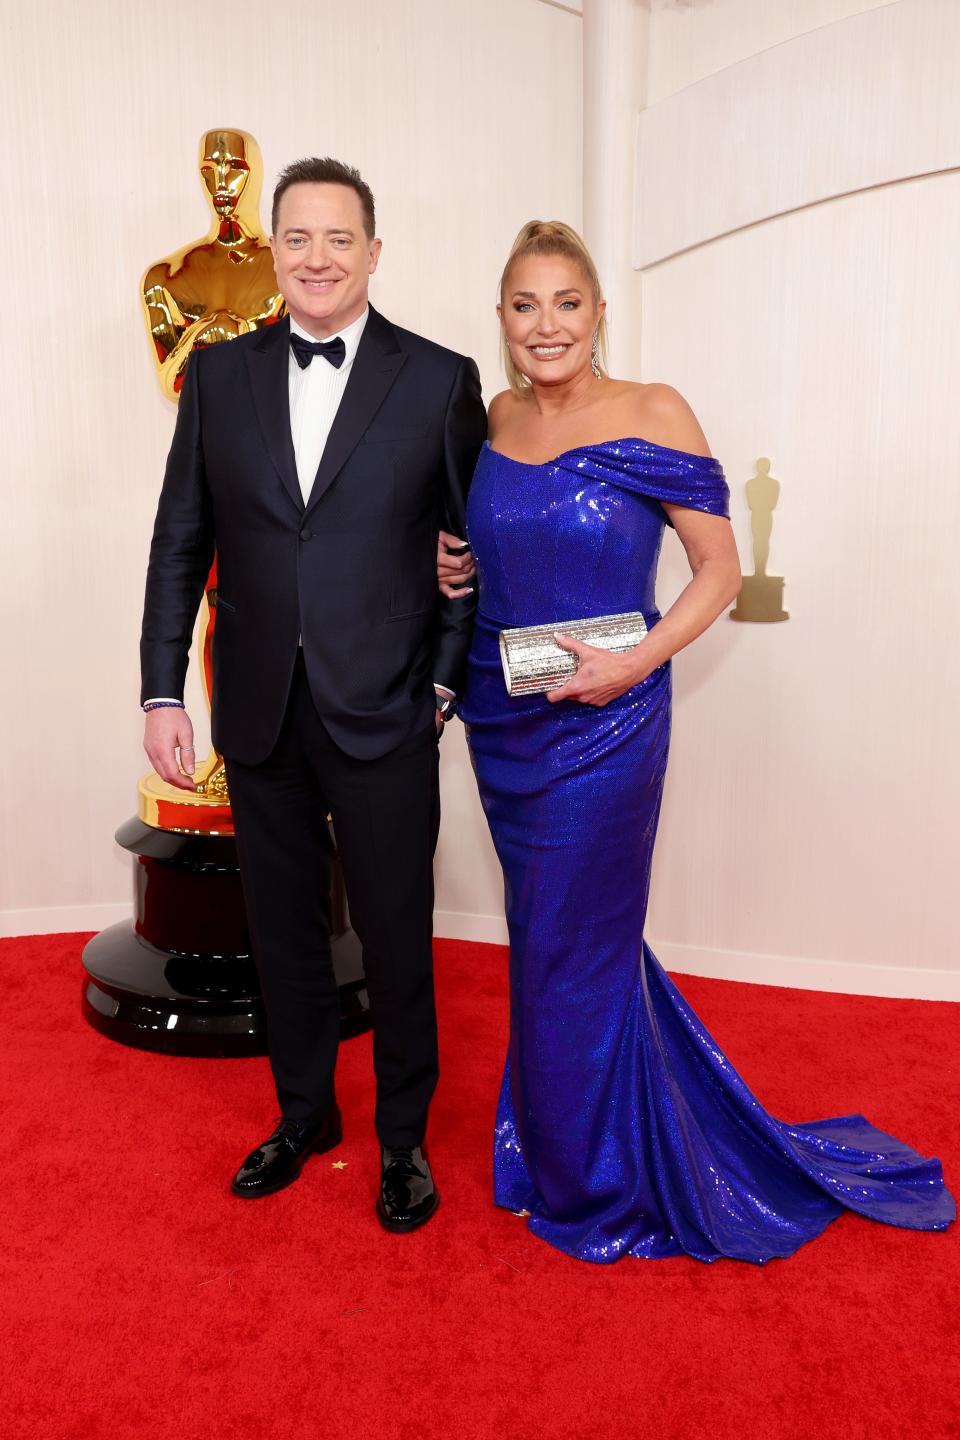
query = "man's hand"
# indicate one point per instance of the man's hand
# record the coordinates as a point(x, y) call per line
point(442, 694)
point(454, 570)
point(167, 731)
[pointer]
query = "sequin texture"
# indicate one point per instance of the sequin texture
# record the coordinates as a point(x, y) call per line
point(622, 1128)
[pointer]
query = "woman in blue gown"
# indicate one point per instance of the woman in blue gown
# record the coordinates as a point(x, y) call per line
point(622, 1129)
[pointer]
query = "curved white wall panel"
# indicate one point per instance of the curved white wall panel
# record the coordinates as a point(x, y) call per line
point(860, 103)
point(691, 39)
point(809, 824)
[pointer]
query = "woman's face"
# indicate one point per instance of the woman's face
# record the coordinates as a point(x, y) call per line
point(549, 316)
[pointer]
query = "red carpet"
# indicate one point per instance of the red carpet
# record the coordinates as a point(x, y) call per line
point(142, 1300)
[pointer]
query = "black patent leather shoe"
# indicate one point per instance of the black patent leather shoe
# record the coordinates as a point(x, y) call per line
point(279, 1160)
point(408, 1196)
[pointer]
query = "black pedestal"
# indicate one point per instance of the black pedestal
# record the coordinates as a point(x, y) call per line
point(180, 977)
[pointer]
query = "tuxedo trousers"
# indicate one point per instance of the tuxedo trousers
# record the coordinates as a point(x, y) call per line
point(386, 818)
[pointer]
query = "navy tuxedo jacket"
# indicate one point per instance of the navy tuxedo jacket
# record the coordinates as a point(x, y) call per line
point(353, 571)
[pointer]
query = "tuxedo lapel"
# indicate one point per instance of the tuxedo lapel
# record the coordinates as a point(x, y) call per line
point(375, 367)
point(268, 362)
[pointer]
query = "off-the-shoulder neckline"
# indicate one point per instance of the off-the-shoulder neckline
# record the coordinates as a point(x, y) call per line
point(597, 445)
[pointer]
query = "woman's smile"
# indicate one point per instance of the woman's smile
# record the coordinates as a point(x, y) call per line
point(548, 352)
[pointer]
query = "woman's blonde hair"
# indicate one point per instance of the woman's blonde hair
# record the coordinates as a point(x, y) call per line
point(550, 237)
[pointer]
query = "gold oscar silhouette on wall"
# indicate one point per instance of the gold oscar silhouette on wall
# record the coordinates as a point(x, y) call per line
point(211, 290)
point(761, 596)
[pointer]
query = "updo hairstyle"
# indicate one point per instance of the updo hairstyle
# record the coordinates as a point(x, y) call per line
point(550, 237)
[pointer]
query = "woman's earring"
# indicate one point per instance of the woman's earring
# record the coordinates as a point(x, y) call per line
point(595, 357)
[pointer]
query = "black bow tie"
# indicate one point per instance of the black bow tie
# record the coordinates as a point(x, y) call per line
point(304, 350)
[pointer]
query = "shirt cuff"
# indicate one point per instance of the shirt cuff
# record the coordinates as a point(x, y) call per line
point(444, 690)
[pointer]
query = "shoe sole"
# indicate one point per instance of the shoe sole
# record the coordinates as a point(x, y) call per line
point(321, 1149)
point(404, 1227)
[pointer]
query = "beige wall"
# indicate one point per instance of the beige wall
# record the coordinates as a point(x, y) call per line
point(808, 827)
point(101, 108)
point(809, 831)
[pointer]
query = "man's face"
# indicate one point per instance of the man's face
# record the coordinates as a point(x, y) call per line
point(224, 170)
point(322, 256)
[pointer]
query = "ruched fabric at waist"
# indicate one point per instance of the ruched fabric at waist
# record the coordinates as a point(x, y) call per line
point(486, 701)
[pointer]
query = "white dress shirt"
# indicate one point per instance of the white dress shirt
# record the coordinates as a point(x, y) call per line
point(315, 395)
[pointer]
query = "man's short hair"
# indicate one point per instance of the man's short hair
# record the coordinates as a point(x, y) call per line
point(326, 171)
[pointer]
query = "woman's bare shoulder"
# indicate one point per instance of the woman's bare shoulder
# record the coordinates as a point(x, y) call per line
point(661, 414)
point(503, 408)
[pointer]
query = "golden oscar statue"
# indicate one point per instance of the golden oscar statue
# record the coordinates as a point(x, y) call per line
point(761, 596)
point(182, 978)
point(214, 289)
point(223, 285)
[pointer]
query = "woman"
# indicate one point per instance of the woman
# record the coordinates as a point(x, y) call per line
point(622, 1129)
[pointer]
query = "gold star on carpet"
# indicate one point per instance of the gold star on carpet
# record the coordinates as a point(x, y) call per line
point(339, 1164)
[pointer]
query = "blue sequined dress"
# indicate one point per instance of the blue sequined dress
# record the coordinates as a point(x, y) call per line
point(622, 1128)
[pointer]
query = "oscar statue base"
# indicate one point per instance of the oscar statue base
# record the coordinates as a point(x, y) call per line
point(180, 977)
point(760, 600)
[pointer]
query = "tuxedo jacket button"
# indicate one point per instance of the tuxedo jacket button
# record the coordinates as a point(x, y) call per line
point(306, 534)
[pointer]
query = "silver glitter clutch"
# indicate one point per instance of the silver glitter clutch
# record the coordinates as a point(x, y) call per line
point(533, 661)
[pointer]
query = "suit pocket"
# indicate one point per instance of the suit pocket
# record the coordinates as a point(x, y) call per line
point(410, 615)
point(413, 590)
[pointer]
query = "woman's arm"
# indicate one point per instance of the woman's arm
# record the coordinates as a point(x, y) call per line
point(714, 563)
point(708, 541)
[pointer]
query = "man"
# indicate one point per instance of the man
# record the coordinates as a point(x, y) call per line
point(320, 457)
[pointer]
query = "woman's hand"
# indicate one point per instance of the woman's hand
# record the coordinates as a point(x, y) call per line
point(601, 676)
point(454, 570)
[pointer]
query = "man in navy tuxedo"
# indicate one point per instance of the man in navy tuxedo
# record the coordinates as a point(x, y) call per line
point(320, 457)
